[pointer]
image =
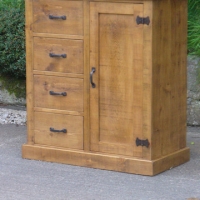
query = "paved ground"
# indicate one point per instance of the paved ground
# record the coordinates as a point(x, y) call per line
point(35, 180)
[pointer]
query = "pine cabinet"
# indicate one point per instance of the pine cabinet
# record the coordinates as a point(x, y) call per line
point(106, 83)
point(116, 52)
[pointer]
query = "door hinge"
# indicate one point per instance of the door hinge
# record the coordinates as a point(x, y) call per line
point(143, 20)
point(142, 142)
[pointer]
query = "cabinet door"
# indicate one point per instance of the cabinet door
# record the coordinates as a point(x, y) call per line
point(116, 53)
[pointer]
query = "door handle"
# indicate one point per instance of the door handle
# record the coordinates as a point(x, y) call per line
point(91, 77)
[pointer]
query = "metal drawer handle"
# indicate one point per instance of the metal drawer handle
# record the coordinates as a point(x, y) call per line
point(91, 74)
point(52, 55)
point(57, 93)
point(57, 17)
point(58, 131)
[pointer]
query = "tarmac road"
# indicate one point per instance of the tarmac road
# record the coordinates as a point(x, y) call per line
point(22, 179)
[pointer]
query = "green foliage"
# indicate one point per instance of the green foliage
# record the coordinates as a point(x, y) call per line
point(12, 46)
point(12, 3)
point(194, 27)
point(12, 38)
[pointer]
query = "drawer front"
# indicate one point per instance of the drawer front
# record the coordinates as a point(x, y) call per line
point(58, 130)
point(58, 55)
point(58, 93)
point(59, 17)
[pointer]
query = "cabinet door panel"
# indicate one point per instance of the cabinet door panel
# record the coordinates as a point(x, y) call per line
point(116, 51)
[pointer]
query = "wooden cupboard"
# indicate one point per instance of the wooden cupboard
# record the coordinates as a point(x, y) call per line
point(106, 83)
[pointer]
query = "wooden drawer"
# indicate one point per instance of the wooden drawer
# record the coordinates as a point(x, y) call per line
point(58, 55)
point(71, 12)
point(72, 101)
point(71, 138)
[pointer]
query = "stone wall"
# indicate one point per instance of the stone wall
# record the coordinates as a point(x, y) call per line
point(193, 92)
point(7, 98)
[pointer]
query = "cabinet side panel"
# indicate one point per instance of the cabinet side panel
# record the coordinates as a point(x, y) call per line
point(179, 73)
point(182, 64)
point(29, 75)
point(169, 77)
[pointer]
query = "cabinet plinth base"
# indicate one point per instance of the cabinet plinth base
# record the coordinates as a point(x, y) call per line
point(105, 161)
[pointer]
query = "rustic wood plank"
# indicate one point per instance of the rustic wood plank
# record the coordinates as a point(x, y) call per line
point(170, 161)
point(105, 161)
point(178, 92)
point(29, 76)
point(182, 34)
point(147, 80)
point(73, 138)
point(94, 160)
point(73, 10)
point(61, 36)
point(161, 78)
point(65, 112)
point(116, 102)
point(58, 74)
point(169, 77)
point(73, 100)
point(43, 48)
point(94, 94)
point(86, 75)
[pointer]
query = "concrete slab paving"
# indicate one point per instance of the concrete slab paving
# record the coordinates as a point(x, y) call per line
point(23, 179)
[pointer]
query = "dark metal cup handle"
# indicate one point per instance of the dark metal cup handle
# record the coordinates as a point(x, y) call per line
point(91, 80)
point(52, 55)
point(58, 131)
point(58, 93)
point(57, 17)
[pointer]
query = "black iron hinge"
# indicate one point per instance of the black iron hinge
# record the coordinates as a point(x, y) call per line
point(143, 20)
point(142, 142)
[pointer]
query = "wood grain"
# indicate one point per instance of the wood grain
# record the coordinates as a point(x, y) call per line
point(58, 74)
point(65, 112)
point(29, 77)
point(73, 87)
point(61, 36)
point(94, 160)
point(105, 161)
point(140, 84)
point(86, 76)
point(171, 160)
point(169, 77)
point(73, 124)
point(147, 80)
point(73, 49)
point(73, 10)
point(116, 102)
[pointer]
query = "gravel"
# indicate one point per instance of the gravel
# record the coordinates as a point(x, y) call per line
point(11, 116)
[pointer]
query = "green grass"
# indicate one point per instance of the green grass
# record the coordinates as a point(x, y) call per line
point(194, 27)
